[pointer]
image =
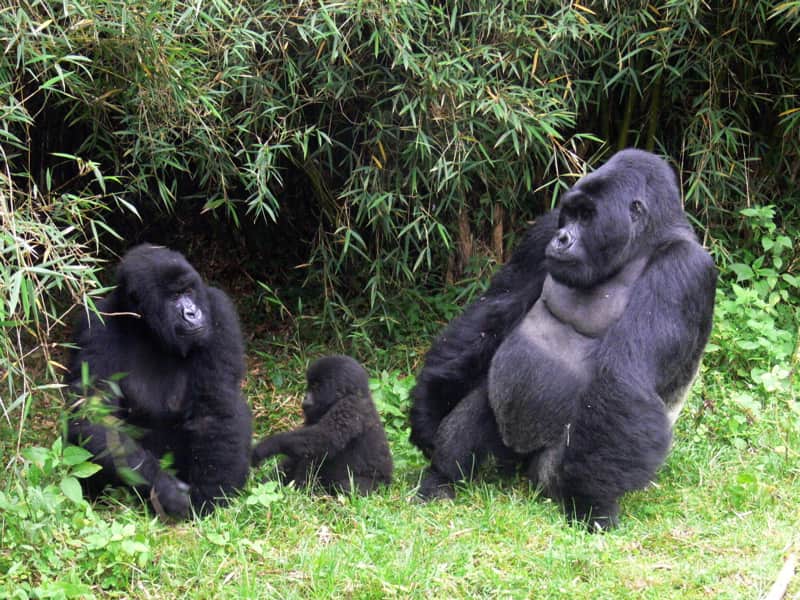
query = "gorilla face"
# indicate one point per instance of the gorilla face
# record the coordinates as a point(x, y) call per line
point(316, 402)
point(601, 220)
point(167, 292)
point(320, 393)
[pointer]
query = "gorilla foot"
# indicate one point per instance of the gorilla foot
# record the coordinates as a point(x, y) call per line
point(597, 517)
point(436, 486)
point(170, 498)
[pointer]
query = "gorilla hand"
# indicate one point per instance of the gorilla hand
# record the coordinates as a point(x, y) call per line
point(170, 497)
point(269, 447)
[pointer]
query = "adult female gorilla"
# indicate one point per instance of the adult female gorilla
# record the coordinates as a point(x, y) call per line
point(167, 362)
point(576, 361)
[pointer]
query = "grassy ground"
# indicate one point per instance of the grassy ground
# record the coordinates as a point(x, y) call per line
point(718, 523)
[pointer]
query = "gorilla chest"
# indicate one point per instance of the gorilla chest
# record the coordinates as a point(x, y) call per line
point(540, 371)
point(156, 388)
point(551, 351)
point(565, 346)
point(545, 352)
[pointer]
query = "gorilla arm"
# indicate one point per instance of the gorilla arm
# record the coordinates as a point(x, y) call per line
point(220, 453)
point(220, 427)
point(459, 358)
point(661, 336)
point(125, 462)
point(623, 433)
point(326, 438)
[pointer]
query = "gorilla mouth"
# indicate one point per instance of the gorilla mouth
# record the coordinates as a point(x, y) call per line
point(192, 330)
point(557, 259)
point(562, 255)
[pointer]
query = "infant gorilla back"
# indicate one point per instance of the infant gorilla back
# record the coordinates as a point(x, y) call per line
point(342, 439)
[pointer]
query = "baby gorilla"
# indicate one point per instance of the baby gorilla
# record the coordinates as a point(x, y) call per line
point(342, 440)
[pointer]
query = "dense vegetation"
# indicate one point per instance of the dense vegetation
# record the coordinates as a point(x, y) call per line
point(395, 151)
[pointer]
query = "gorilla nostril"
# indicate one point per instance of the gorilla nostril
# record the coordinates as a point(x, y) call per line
point(192, 314)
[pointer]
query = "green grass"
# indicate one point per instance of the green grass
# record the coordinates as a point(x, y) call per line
point(717, 524)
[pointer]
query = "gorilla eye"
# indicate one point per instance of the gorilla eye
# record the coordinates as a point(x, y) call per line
point(585, 213)
point(582, 213)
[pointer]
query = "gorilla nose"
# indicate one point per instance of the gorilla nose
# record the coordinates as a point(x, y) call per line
point(563, 239)
point(192, 314)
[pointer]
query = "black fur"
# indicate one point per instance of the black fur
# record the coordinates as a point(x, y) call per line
point(573, 362)
point(172, 347)
point(342, 439)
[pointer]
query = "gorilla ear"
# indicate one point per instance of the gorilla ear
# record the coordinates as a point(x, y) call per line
point(131, 295)
point(134, 298)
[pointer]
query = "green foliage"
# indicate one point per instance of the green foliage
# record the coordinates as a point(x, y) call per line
point(719, 521)
point(399, 140)
point(397, 145)
point(755, 316)
point(46, 528)
point(264, 494)
point(390, 391)
point(750, 383)
point(392, 119)
point(44, 467)
point(765, 259)
point(53, 201)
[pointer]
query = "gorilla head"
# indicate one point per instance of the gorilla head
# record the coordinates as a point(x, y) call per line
point(330, 379)
point(164, 289)
point(611, 217)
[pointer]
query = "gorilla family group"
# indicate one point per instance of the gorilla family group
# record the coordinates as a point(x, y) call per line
point(571, 369)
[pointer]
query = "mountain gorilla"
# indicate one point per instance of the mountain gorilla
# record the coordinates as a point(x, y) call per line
point(166, 362)
point(576, 361)
point(342, 439)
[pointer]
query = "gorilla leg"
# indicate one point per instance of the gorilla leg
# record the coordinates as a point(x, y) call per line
point(619, 440)
point(425, 417)
point(464, 438)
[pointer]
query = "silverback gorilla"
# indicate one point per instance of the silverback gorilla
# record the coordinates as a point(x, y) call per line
point(167, 360)
point(574, 364)
point(342, 439)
